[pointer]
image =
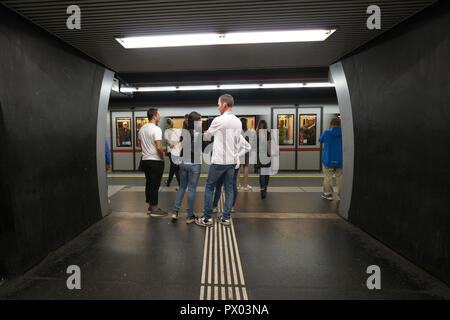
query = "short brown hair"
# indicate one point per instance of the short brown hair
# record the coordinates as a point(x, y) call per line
point(335, 122)
point(152, 112)
point(228, 99)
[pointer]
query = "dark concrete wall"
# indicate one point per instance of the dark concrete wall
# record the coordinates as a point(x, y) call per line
point(49, 96)
point(399, 87)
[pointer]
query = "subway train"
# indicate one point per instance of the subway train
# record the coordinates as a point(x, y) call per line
point(299, 128)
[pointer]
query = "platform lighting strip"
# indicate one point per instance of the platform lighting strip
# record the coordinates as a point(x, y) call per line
point(206, 39)
point(229, 87)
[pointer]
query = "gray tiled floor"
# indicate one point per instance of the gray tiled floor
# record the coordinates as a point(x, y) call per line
point(292, 246)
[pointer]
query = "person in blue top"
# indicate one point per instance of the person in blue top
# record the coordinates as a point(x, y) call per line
point(332, 158)
point(107, 155)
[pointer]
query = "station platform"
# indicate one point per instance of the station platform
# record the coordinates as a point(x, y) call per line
point(291, 245)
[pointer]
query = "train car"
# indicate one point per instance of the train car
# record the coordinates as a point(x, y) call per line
point(299, 128)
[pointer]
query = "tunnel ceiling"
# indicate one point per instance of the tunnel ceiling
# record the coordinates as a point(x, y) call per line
point(102, 21)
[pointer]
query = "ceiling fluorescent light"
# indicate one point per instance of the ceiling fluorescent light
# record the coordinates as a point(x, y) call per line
point(318, 85)
point(127, 89)
point(281, 85)
point(193, 88)
point(153, 89)
point(228, 87)
point(239, 86)
point(205, 39)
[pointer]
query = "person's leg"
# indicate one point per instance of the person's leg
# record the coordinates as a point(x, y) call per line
point(218, 192)
point(214, 174)
point(266, 183)
point(229, 194)
point(184, 176)
point(157, 168)
point(246, 175)
point(151, 185)
point(176, 169)
point(339, 181)
point(327, 181)
point(261, 181)
point(171, 171)
point(147, 172)
point(235, 190)
point(238, 176)
point(194, 175)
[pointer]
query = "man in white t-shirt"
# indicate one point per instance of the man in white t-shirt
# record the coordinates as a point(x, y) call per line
point(150, 137)
point(226, 130)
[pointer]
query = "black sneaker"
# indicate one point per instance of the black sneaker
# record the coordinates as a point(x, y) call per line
point(158, 213)
point(190, 219)
point(200, 221)
point(149, 210)
point(263, 193)
point(175, 215)
point(223, 221)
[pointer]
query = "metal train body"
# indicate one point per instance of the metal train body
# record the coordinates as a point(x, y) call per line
point(299, 128)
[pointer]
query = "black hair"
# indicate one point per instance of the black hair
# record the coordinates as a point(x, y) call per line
point(244, 124)
point(262, 124)
point(193, 116)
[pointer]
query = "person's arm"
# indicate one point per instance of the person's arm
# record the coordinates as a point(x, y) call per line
point(212, 130)
point(158, 142)
point(159, 149)
point(322, 137)
point(244, 146)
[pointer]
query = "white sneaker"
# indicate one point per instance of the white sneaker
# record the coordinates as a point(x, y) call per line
point(248, 188)
point(232, 209)
point(327, 196)
point(239, 187)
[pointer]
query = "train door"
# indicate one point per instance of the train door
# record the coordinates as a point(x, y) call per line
point(284, 120)
point(308, 133)
point(122, 140)
point(140, 118)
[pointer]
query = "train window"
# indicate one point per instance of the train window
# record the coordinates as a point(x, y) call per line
point(250, 122)
point(140, 121)
point(285, 126)
point(308, 130)
point(123, 132)
point(178, 122)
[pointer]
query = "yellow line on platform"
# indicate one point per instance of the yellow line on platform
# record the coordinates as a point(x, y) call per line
point(205, 176)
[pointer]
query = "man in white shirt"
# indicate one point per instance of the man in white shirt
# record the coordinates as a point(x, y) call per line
point(226, 130)
point(150, 137)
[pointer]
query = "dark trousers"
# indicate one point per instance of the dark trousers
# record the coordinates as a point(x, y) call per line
point(263, 181)
point(153, 173)
point(218, 190)
point(174, 168)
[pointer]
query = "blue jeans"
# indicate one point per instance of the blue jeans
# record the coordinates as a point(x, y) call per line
point(219, 189)
point(216, 172)
point(189, 175)
point(263, 181)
